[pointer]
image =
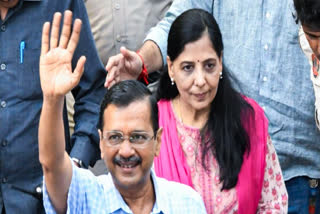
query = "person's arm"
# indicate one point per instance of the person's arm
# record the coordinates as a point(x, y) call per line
point(128, 65)
point(87, 94)
point(159, 34)
point(57, 79)
point(151, 55)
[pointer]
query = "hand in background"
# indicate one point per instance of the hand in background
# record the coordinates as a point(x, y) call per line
point(56, 75)
point(124, 66)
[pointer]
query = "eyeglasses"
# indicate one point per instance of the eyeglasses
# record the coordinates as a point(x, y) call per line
point(137, 139)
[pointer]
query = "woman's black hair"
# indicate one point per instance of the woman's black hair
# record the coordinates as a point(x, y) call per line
point(308, 12)
point(223, 133)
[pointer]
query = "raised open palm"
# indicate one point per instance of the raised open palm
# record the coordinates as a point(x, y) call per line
point(56, 75)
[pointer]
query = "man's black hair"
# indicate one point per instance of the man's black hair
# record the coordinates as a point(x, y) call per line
point(308, 12)
point(124, 93)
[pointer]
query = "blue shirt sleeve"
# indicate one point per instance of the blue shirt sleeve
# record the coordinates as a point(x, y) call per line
point(159, 33)
point(85, 194)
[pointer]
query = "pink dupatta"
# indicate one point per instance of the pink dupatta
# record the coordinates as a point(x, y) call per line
point(172, 165)
point(171, 162)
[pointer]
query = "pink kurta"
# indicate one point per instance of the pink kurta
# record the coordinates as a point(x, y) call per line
point(180, 161)
point(273, 197)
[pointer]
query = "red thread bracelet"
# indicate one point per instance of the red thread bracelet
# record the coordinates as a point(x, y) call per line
point(144, 73)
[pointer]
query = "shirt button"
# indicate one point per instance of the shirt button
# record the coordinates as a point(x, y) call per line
point(38, 190)
point(265, 79)
point(3, 67)
point(4, 143)
point(266, 47)
point(3, 104)
point(4, 180)
point(118, 38)
point(268, 15)
point(117, 6)
point(3, 28)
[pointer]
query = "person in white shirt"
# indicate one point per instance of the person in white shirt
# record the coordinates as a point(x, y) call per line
point(308, 15)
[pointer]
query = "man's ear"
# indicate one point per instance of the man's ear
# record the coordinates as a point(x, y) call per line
point(170, 65)
point(100, 143)
point(158, 141)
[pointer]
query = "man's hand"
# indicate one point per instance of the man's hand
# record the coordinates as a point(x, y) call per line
point(56, 75)
point(124, 66)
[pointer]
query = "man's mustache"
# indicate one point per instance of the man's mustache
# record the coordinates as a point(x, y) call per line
point(121, 160)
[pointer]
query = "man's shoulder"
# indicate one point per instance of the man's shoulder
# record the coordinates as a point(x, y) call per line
point(88, 180)
point(178, 198)
point(102, 184)
point(177, 190)
point(105, 181)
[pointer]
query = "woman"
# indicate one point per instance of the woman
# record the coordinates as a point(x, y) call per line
point(214, 139)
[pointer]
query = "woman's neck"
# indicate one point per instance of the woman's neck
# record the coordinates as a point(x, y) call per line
point(190, 116)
